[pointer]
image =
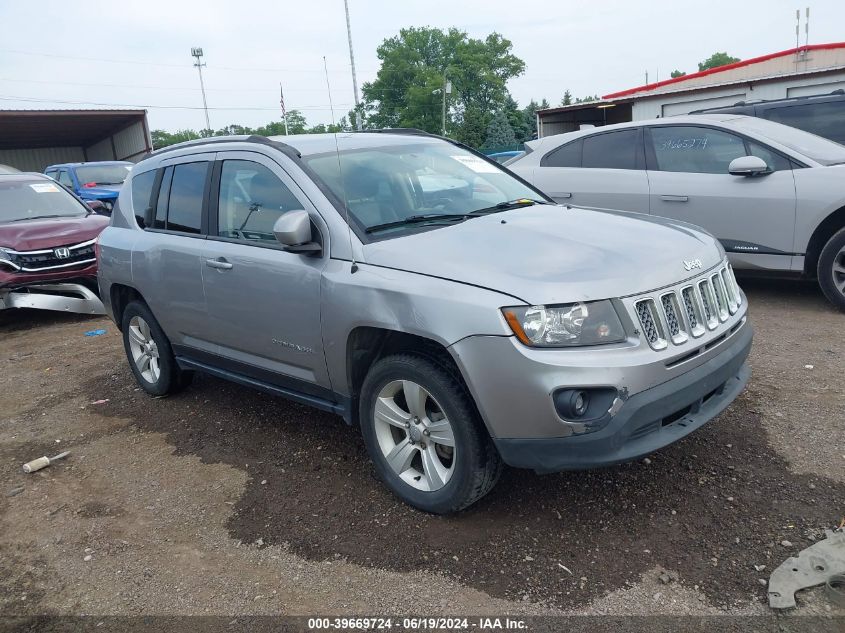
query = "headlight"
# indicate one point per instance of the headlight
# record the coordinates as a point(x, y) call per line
point(566, 325)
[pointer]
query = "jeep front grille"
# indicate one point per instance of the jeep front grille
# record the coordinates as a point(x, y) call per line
point(680, 314)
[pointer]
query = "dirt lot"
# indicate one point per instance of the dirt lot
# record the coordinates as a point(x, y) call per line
point(223, 500)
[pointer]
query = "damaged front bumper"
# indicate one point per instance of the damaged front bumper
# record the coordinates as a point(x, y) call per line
point(61, 297)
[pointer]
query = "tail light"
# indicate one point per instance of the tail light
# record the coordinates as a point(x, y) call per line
point(89, 185)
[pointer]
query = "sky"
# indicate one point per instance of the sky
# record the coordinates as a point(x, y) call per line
point(88, 54)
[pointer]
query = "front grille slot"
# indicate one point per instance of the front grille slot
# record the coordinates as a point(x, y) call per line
point(650, 322)
point(721, 296)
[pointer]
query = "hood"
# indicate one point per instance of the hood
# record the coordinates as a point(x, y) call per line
point(552, 254)
point(33, 235)
point(100, 191)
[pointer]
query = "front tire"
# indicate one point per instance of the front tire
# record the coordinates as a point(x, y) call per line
point(831, 269)
point(149, 353)
point(424, 436)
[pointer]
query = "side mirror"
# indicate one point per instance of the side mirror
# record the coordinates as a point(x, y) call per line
point(97, 207)
point(748, 166)
point(293, 231)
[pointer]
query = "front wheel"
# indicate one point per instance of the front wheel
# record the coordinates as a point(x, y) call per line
point(424, 436)
point(831, 269)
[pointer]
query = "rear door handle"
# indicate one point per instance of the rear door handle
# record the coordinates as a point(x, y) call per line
point(220, 263)
point(675, 198)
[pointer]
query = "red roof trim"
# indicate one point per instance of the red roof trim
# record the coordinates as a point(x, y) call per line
point(711, 71)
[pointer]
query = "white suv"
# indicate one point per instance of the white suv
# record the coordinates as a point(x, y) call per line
point(773, 195)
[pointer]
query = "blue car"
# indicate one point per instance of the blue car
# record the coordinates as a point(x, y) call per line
point(92, 181)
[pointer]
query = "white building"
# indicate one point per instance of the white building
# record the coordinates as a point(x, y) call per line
point(797, 72)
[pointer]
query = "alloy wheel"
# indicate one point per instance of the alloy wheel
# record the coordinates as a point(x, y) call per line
point(414, 435)
point(839, 271)
point(144, 350)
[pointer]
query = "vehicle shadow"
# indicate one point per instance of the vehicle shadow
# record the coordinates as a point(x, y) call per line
point(21, 319)
point(709, 507)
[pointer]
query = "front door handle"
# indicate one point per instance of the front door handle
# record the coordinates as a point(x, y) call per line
point(220, 263)
point(675, 198)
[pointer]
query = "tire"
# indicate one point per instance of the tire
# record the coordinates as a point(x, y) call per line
point(831, 269)
point(155, 369)
point(437, 477)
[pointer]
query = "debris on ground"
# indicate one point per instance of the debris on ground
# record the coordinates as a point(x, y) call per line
point(42, 462)
point(99, 332)
point(100, 401)
point(813, 566)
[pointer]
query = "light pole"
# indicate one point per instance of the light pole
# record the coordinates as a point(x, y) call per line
point(447, 89)
point(358, 122)
point(197, 53)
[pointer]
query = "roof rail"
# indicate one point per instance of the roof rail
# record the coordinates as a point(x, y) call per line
point(401, 130)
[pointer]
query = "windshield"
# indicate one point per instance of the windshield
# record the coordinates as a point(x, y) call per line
point(32, 199)
point(819, 149)
point(392, 183)
point(102, 174)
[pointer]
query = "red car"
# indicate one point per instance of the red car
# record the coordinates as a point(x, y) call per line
point(47, 246)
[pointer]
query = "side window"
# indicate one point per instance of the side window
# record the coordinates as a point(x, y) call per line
point(251, 199)
point(693, 149)
point(187, 190)
point(612, 150)
point(160, 221)
point(142, 192)
point(775, 161)
point(51, 173)
point(825, 119)
point(568, 155)
point(65, 179)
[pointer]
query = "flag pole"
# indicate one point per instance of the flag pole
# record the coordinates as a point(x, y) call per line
point(282, 103)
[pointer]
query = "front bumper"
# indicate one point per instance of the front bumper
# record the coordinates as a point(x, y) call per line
point(529, 434)
point(61, 297)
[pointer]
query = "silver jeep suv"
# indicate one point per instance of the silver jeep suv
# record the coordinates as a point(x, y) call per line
point(458, 316)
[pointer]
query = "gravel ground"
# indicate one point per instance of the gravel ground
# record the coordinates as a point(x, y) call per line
point(222, 500)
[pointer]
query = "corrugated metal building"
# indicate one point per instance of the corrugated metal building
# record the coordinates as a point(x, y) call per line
point(33, 139)
point(796, 72)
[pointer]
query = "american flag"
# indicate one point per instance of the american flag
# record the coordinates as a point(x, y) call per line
point(282, 100)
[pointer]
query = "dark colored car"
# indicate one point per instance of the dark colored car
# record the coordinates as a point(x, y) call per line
point(92, 181)
point(823, 115)
point(47, 246)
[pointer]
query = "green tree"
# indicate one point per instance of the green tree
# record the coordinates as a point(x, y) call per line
point(163, 139)
point(407, 91)
point(676, 73)
point(587, 99)
point(567, 98)
point(499, 133)
point(716, 60)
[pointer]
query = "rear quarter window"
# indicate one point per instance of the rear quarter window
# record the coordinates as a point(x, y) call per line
point(568, 155)
point(142, 193)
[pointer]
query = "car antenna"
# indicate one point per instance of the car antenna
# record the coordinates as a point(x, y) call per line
point(345, 203)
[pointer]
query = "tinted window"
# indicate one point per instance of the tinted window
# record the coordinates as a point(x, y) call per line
point(568, 155)
point(824, 119)
point(163, 196)
point(614, 150)
point(695, 149)
point(184, 210)
point(252, 198)
point(142, 191)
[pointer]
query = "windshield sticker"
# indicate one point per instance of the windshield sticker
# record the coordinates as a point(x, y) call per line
point(45, 187)
point(476, 164)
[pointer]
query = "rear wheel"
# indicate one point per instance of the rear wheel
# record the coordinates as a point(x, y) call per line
point(149, 353)
point(831, 269)
point(424, 436)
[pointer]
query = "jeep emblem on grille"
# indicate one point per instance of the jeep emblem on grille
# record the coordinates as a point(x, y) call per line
point(62, 252)
point(692, 263)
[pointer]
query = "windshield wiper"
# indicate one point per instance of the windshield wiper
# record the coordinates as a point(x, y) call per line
point(419, 219)
point(505, 206)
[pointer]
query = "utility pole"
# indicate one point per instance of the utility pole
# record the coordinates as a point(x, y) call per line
point(358, 122)
point(447, 89)
point(197, 52)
